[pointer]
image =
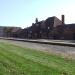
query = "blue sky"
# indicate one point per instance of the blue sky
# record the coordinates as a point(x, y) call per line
point(22, 13)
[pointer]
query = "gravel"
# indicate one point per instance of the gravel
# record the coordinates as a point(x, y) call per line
point(62, 50)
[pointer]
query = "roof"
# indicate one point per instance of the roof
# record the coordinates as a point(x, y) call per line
point(50, 19)
point(70, 26)
point(15, 29)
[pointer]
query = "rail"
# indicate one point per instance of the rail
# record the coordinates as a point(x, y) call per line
point(43, 41)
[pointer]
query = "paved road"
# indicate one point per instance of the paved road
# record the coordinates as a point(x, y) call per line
point(62, 50)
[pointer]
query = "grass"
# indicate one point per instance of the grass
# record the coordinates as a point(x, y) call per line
point(15, 60)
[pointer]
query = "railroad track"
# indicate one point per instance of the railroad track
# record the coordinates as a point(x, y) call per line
point(43, 41)
point(54, 46)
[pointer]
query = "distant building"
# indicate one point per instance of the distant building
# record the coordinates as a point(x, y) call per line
point(49, 24)
point(2, 31)
point(14, 31)
point(51, 28)
point(69, 32)
point(8, 31)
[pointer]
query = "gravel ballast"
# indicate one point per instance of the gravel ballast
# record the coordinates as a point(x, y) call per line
point(62, 50)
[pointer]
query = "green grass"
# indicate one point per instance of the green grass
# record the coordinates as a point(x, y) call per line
point(15, 60)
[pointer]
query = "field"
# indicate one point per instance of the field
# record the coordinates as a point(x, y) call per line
point(15, 60)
